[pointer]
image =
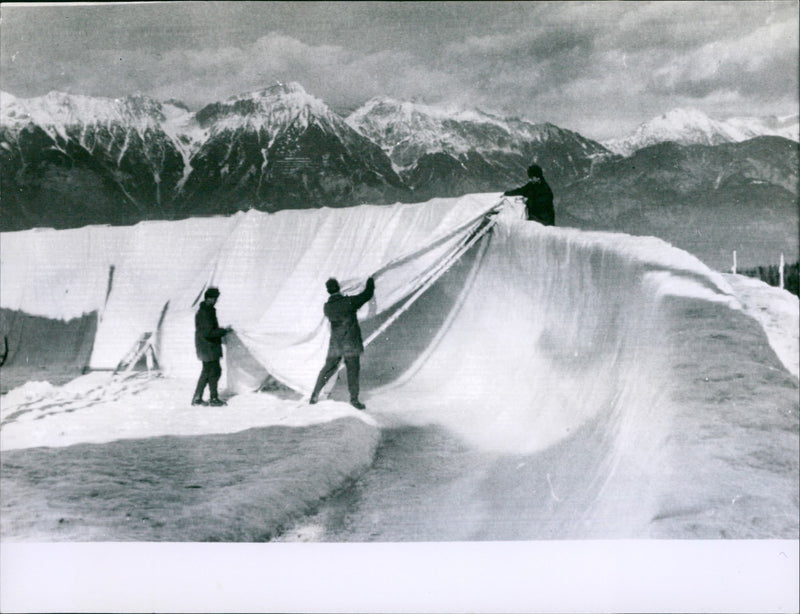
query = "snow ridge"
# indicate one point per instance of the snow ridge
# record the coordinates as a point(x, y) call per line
point(59, 113)
point(693, 127)
point(408, 130)
point(273, 110)
point(56, 111)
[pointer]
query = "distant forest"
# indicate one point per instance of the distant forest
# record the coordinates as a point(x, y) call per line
point(771, 275)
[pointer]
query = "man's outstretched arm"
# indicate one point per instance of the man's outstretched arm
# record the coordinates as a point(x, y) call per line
point(520, 191)
point(360, 299)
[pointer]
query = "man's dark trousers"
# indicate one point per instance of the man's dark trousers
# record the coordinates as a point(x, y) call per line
point(353, 364)
point(209, 375)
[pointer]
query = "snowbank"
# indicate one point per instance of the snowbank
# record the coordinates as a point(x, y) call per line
point(148, 466)
point(101, 407)
point(777, 311)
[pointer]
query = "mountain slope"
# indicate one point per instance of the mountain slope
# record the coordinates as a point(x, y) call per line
point(693, 127)
point(709, 200)
point(69, 160)
point(281, 147)
point(441, 152)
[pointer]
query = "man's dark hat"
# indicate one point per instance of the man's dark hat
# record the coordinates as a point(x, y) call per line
point(534, 170)
point(212, 293)
point(332, 285)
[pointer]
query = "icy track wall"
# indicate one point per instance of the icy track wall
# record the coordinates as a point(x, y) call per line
point(616, 375)
point(619, 380)
point(553, 328)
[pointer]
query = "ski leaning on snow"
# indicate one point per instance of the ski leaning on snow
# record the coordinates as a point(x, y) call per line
point(142, 347)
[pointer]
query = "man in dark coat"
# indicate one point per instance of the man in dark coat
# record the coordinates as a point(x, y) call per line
point(345, 338)
point(208, 343)
point(538, 197)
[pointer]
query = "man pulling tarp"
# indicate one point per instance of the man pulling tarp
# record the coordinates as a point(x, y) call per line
point(538, 197)
point(345, 341)
point(402, 247)
point(208, 343)
point(271, 267)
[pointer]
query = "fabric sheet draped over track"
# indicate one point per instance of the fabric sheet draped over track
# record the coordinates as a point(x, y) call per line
point(578, 384)
point(270, 268)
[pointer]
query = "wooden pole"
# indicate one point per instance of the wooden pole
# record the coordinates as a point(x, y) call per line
point(780, 271)
point(733, 268)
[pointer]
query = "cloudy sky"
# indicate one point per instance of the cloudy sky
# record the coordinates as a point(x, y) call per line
point(600, 68)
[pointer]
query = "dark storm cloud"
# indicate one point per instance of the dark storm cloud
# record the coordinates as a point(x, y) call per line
point(592, 66)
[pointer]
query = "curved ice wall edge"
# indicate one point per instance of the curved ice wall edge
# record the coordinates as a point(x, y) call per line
point(656, 253)
point(559, 319)
point(556, 351)
point(556, 357)
point(581, 369)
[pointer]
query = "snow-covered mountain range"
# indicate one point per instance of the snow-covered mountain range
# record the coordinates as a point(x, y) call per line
point(407, 131)
point(693, 127)
point(57, 114)
point(68, 160)
point(439, 150)
point(281, 147)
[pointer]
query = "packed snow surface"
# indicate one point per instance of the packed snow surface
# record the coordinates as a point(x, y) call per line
point(101, 407)
point(778, 313)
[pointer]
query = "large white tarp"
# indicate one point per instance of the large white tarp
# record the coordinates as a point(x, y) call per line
point(58, 274)
point(272, 276)
point(611, 379)
point(270, 268)
point(163, 268)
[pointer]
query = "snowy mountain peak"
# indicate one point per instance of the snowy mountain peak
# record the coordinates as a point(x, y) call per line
point(280, 92)
point(684, 116)
point(391, 109)
point(787, 126)
point(56, 111)
point(680, 122)
point(6, 100)
point(272, 108)
point(141, 106)
point(693, 127)
point(409, 130)
point(65, 116)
